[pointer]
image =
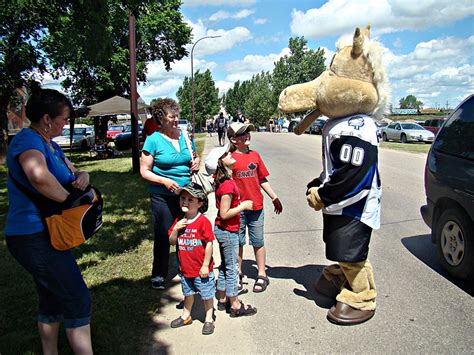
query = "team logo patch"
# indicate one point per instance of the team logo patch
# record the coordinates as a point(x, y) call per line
point(356, 122)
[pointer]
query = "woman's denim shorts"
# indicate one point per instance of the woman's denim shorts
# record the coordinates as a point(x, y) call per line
point(63, 294)
point(205, 286)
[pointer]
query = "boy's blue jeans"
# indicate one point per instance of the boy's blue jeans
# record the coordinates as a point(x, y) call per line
point(63, 294)
point(228, 270)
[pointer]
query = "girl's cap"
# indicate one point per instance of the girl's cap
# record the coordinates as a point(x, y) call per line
point(213, 157)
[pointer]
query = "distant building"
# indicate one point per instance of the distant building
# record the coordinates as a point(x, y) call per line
point(429, 111)
point(404, 111)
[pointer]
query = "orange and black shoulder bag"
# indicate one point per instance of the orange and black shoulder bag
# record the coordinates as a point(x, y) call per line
point(71, 223)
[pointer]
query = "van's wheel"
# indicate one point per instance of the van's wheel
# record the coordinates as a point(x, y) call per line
point(403, 138)
point(384, 137)
point(455, 242)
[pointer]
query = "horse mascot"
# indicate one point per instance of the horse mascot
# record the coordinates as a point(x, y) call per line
point(352, 93)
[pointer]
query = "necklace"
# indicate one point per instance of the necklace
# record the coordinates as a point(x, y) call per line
point(45, 138)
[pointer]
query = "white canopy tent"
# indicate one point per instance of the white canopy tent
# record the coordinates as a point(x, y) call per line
point(116, 105)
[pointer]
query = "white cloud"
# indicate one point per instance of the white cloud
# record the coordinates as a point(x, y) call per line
point(328, 54)
point(222, 15)
point(260, 21)
point(250, 65)
point(398, 43)
point(219, 15)
point(440, 68)
point(337, 16)
point(163, 83)
point(223, 86)
point(218, 2)
point(227, 39)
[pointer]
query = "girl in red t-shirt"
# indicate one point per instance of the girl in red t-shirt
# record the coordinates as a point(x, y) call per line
point(226, 230)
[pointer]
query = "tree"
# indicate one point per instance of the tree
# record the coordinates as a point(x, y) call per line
point(206, 97)
point(302, 65)
point(22, 24)
point(410, 102)
point(95, 58)
point(259, 105)
point(87, 41)
point(234, 99)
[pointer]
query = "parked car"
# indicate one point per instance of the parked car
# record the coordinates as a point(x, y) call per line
point(449, 186)
point(83, 138)
point(380, 125)
point(123, 141)
point(113, 130)
point(316, 127)
point(293, 124)
point(434, 124)
point(185, 125)
point(406, 132)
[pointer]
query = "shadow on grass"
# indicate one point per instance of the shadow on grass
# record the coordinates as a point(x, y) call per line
point(116, 264)
point(421, 247)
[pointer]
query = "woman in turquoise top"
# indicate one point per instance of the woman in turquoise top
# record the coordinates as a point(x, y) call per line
point(166, 165)
point(37, 163)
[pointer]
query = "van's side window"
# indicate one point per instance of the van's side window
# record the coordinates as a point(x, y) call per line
point(457, 135)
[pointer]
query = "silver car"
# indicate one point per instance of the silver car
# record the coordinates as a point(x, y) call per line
point(406, 132)
point(83, 138)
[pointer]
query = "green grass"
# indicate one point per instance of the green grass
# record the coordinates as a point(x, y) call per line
point(407, 147)
point(116, 265)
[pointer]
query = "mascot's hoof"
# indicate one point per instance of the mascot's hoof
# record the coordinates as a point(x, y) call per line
point(343, 314)
point(327, 288)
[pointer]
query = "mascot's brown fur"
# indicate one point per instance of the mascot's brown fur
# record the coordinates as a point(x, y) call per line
point(352, 93)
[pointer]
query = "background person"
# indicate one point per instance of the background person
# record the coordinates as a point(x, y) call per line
point(166, 165)
point(221, 126)
point(38, 164)
point(239, 117)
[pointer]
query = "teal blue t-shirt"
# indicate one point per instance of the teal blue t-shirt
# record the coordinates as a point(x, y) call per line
point(168, 162)
point(23, 216)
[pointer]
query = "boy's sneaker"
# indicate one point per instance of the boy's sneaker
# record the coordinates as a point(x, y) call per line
point(158, 282)
point(180, 322)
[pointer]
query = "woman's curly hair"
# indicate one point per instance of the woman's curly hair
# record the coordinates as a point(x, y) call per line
point(161, 107)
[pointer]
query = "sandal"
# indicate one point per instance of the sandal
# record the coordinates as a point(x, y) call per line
point(208, 328)
point(223, 306)
point(243, 311)
point(240, 287)
point(261, 284)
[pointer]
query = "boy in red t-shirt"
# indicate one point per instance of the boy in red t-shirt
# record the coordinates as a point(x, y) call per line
point(193, 235)
point(250, 174)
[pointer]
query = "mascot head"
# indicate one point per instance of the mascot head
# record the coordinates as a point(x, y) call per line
point(354, 83)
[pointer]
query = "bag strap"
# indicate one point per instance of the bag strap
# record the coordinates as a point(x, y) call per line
point(188, 144)
point(34, 198)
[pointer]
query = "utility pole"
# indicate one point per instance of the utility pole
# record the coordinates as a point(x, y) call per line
point(133, 90)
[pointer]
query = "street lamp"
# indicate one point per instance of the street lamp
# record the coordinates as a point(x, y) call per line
point(192, 77)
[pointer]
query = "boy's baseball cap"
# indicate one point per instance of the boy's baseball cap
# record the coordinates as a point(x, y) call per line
point(213, 157)
point(194, 189)
point(238, 128)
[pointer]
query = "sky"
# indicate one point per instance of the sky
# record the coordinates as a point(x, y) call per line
point(428, 44)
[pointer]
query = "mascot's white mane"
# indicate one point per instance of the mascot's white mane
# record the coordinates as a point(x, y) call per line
point(372, 50)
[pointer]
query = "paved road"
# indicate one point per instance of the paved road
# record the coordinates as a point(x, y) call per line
point(420, 309)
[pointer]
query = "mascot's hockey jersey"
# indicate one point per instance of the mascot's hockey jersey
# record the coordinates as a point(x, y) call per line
point(350, 182)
